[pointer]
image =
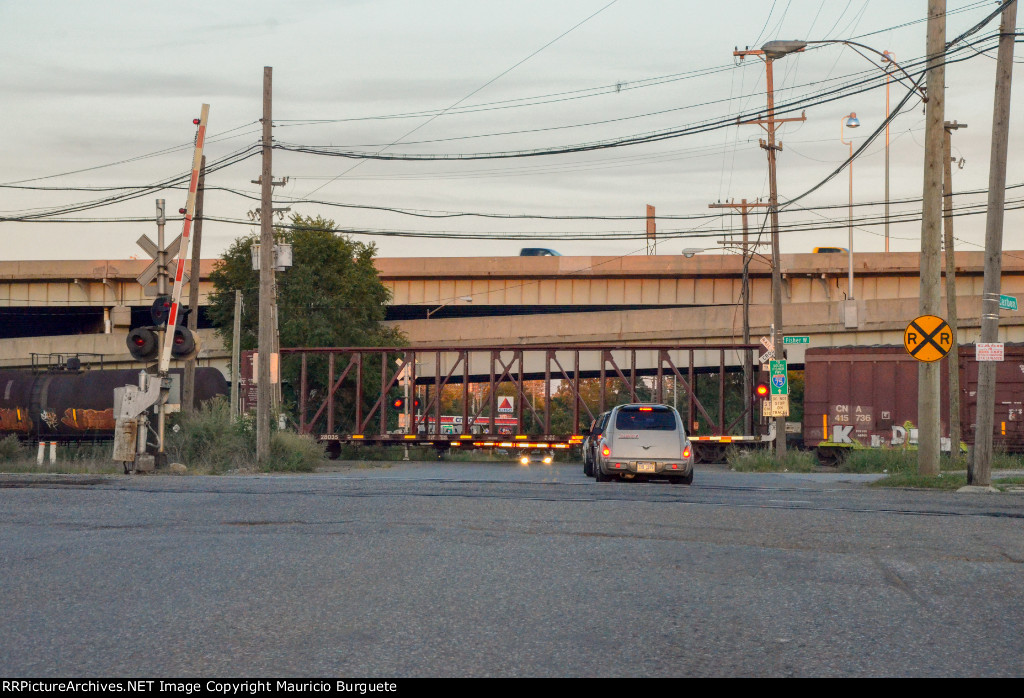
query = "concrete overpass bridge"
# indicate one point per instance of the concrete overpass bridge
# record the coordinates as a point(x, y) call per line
point(87, 306)
point(671, 298)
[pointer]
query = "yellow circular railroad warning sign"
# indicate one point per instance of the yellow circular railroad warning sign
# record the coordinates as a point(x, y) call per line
point(928, 338)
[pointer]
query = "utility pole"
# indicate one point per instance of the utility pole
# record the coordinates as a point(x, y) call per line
point(264, 389)
point(951, 312)
point(928, 388)
point(768, 124)
point(188, 390)
point(236, 351)
point(743, 207)
point(161, 291)
point(979, 471)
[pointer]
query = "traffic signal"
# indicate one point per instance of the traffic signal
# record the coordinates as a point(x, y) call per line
point(761, 392)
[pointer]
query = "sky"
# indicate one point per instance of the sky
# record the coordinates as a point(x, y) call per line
point(102, 95)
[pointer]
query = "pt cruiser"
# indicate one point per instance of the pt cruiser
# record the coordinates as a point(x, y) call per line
point(644, 441)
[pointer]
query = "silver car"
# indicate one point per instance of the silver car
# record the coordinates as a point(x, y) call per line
point(644, 441)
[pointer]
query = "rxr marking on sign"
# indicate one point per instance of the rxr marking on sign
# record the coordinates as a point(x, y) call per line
point(928, 338)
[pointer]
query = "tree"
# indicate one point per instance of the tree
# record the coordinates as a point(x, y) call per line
point(331, 296)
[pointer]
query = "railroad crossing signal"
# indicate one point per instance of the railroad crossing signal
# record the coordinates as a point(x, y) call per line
point(928, 338)
point(150, 273)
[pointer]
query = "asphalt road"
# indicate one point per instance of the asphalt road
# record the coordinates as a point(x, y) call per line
point(442, 569)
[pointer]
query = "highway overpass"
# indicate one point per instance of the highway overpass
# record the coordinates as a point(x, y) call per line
point(86, 306)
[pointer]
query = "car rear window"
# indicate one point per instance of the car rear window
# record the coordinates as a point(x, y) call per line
point(637, 419)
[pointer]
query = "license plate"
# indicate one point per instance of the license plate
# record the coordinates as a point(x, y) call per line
point(645, 467)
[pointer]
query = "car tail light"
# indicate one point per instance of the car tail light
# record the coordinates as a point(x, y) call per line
point(605, 451)
point(686, 452)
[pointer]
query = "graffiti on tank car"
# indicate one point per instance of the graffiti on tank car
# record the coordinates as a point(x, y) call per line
point(84, 420)
point(15, 419)
point(49, 417)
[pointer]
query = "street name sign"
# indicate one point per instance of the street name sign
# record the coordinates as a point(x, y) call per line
point(796, 340)
point(1008, 302)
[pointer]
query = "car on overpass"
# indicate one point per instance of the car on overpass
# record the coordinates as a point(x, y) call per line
point(538, 252)
point(642, 441)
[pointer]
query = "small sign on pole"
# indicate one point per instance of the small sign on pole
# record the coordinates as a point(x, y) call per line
point(779, 378)
point(776, 406)
point(988, 351)
point(1008, 302)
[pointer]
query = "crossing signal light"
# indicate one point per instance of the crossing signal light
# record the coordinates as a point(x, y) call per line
point(143, 343)
point(762, 391)
point(399, 403)
point(185, 344)
point(160, 310)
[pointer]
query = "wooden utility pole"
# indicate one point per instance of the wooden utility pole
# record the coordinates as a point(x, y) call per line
point(979, 471)
point(951, 312)
point(188, 390)
point(236, 350)
point(264, 389)
point(928, 388)
point(768, 124)
point(744, 208)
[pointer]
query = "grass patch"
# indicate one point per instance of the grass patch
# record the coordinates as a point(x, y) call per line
point(1007, 461)
point(944, 481)
point(88, 458)
point(293, 453)
point(209, 441)
point(764, 461)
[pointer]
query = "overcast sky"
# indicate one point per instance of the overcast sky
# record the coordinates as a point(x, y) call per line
point(89, 88)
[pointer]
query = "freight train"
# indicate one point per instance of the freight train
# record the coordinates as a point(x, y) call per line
point(70, 406)
point(858, 397)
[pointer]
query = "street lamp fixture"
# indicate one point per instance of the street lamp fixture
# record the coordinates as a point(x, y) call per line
point(778, 49)
point(849, 121)
point(464, 299)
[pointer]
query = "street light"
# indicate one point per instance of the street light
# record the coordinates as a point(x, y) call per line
point(849, 121)
point(770, 52)
point(465, 299)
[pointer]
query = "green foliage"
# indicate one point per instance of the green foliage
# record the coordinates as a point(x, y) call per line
point(879, 460)
point(207, 440)
point(330, 297)
point(943, 481)
point(11, 449)
point(761, 460)
point(291, 452)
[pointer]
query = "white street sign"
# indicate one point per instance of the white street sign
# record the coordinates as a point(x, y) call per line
point(988, 351)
